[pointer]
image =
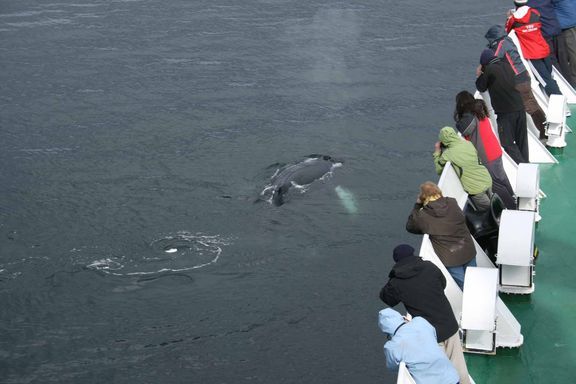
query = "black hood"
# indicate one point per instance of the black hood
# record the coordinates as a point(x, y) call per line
point(467, 124)
point(407, 268)
point(495, 34)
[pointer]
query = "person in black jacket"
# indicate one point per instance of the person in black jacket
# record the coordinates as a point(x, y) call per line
point(497, 77)
point(419, 285)
point(505, 49)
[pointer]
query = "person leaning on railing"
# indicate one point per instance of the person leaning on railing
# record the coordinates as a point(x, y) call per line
point(472, 121)
point(413, 341)
point(419, 285)
point(526, 22)
point(445, 224)
point(474, 176)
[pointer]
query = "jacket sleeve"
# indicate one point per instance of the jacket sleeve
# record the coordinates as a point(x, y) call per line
point(513, 56)
point(439, 162)
point(482, 83)
point(413, 225)
point(509, 24)
point(389, 295)
point(441, 277)
point(392, 358)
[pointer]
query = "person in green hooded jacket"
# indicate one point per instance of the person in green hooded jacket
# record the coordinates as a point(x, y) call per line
point(474, 176)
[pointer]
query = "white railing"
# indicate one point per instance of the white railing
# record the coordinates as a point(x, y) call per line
point(507, 327)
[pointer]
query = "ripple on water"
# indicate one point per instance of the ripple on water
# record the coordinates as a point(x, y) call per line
point(175, 253)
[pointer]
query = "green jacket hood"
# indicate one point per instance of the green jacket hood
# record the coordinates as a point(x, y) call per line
point(448, 136)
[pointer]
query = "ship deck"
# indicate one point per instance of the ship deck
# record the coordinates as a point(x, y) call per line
point(547, 316)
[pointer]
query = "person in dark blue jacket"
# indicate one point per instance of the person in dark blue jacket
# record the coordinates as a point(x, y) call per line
point(550, 25)
point(566, 13)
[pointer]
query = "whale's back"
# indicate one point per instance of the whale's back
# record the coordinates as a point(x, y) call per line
point(303, 173)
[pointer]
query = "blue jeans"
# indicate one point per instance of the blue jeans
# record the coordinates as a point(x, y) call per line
point(459, 271)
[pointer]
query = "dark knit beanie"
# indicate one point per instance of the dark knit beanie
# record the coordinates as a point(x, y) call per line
point(402, 251)
point(486, 56)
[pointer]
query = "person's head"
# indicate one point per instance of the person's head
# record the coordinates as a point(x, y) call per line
point(448, 137)
point(389, 321)
point(429, 192)
point(463, 99)
point(494, 35)
point(402, 251)
point(466, 103)
point(520, 3)
point(486, 57)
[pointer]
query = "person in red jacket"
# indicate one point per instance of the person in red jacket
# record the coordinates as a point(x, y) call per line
point(525, 21)
point(472, 121)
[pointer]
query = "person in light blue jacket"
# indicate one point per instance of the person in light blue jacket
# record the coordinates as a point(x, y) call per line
point(414, 343)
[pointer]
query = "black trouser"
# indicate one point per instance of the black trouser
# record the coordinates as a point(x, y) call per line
point(514, 135)
point(567, 54)
point(500, 183)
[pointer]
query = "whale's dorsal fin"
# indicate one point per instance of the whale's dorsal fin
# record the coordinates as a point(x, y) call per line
point(320, 156)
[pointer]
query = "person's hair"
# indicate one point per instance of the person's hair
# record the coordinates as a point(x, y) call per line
point(429, 191)
point(466, 103)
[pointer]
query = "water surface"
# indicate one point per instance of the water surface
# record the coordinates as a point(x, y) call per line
point(136, 136)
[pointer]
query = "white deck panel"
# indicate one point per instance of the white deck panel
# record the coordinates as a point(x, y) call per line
point(479, 299)
point(516, 238)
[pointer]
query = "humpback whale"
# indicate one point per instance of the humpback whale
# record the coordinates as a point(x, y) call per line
point(298, 176)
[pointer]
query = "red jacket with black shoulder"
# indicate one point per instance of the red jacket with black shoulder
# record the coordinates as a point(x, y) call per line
point(526, 23)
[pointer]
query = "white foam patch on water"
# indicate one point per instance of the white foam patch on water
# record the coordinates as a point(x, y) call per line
point(13, 269)
point(206, 62)
point(27, 13)
point(105, 264)
point(267, 189)
point(40, 23)
point(175, 253)
point(301, 188)
point(90, 5)
point(45, 151)
point(177, 61)
point(267, 193)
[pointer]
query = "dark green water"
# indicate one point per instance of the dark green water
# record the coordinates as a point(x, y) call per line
point(132, 128)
